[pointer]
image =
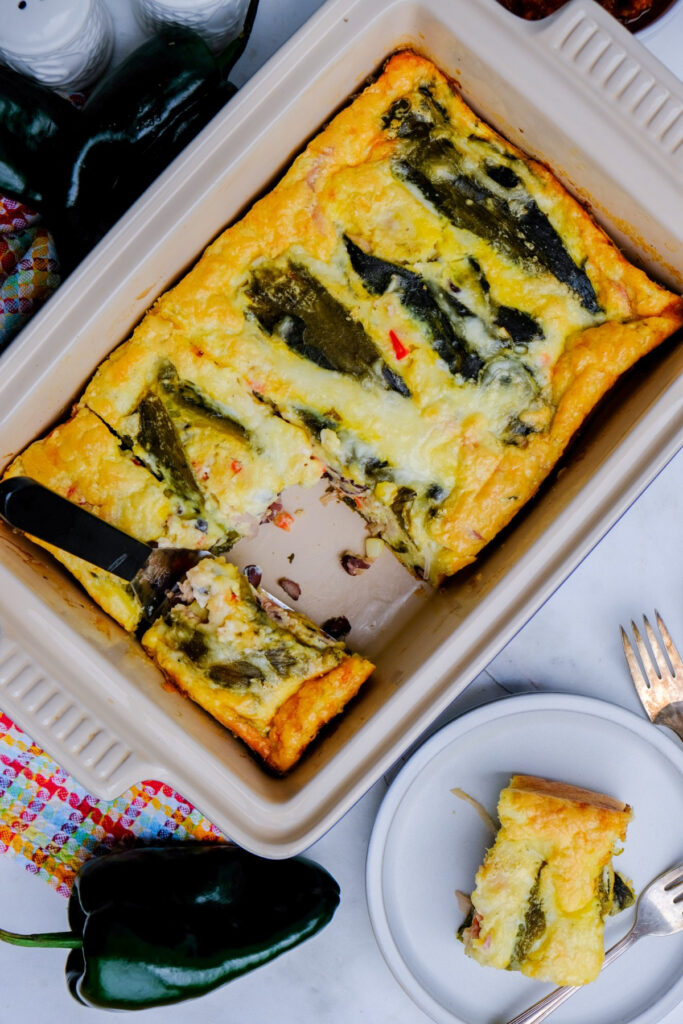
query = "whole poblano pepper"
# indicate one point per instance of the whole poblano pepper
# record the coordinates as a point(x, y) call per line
point(159, 924)
point(82, 169)
point(36, 126)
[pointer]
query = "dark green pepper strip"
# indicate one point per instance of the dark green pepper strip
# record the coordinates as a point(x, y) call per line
point(157, 436)
point(421, 299)
point(429, 161)
point(292, 303)
point(164, 923)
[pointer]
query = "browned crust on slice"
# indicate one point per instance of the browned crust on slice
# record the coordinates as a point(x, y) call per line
point(296, 722)
point(316, 702)
point(565, 791)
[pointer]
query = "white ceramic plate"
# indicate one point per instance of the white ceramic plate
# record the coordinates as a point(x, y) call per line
point(427, 843)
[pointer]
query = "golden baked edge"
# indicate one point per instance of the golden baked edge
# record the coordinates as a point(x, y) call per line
point(295, 724)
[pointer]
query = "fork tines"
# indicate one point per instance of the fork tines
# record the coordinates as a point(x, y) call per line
point(659, 681)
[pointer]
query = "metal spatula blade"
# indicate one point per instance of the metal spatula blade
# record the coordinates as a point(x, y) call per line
point(152, 572)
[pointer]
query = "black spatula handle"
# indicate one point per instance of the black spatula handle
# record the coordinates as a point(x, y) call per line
point(28, 506)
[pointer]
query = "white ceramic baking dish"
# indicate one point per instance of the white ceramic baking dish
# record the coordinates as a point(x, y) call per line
point(576, 90)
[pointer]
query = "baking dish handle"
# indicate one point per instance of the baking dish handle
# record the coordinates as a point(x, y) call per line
point(93, 753)
point(642, 96)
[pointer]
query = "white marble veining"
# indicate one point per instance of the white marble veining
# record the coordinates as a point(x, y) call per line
point(571, 644)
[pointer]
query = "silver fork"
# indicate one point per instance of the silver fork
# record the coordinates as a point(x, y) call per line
point(659, 911)
point(660, 685)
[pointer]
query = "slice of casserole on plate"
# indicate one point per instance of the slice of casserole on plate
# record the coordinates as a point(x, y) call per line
point(547, 883)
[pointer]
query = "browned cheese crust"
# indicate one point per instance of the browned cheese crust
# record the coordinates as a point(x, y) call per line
point(547, 883)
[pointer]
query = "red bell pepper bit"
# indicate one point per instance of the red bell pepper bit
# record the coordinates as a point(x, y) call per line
point(283, 520)
point(400, 351)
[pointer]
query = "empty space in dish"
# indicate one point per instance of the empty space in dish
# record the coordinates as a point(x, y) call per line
point(560, 90)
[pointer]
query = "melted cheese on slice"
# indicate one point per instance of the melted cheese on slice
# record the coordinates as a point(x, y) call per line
point(249, 652)
point(540, 901)
point(237, 454)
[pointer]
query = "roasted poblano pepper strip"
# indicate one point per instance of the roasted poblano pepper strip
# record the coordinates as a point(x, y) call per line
point(158, 437)
point(427, 159)
point(531, 928)
point(160, 924)
point(623, 895)
point(521, 327)
point(290, 302)
point(425, 301)
point(187, 395)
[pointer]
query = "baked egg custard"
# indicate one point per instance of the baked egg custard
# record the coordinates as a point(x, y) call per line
point(417, 310)
point(547, 883)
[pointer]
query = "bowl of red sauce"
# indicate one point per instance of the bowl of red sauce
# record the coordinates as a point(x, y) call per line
point(634, 14)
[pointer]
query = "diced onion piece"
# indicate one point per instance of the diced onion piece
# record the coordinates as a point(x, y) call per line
point(374, 547)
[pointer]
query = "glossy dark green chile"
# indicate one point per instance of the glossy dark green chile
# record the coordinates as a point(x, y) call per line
point(140, 116)
point(82, 169)
point(164, 923)
point(34, 122)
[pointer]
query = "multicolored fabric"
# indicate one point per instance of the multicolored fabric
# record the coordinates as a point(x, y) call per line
point(53, 825)
point(47, 820)
point(29, 268)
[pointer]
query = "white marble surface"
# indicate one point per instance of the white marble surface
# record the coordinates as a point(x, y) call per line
point(571, 644)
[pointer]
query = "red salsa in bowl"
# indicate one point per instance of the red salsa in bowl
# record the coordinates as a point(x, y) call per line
point(634, 14)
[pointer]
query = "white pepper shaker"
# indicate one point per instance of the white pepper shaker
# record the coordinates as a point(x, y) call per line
point(65, 44)
point(216, 21)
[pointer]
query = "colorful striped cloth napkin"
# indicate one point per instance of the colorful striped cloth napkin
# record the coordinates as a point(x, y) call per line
point(51, 824)
point(29, 268)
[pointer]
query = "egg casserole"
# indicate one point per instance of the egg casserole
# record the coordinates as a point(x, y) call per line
point(416, 310)
point(547, 883)
point(285, 676)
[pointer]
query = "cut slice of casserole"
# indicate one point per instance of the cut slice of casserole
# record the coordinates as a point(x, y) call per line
point(547, 883)
point(267, 673)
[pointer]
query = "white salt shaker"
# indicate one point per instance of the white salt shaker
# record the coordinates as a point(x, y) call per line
point(216, 21)
point(65, 44)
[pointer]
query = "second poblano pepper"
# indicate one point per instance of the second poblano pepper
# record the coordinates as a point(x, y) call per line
point(160, 924)
point(83, 169)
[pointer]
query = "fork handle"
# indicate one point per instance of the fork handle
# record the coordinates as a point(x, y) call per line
point(544, 1007)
